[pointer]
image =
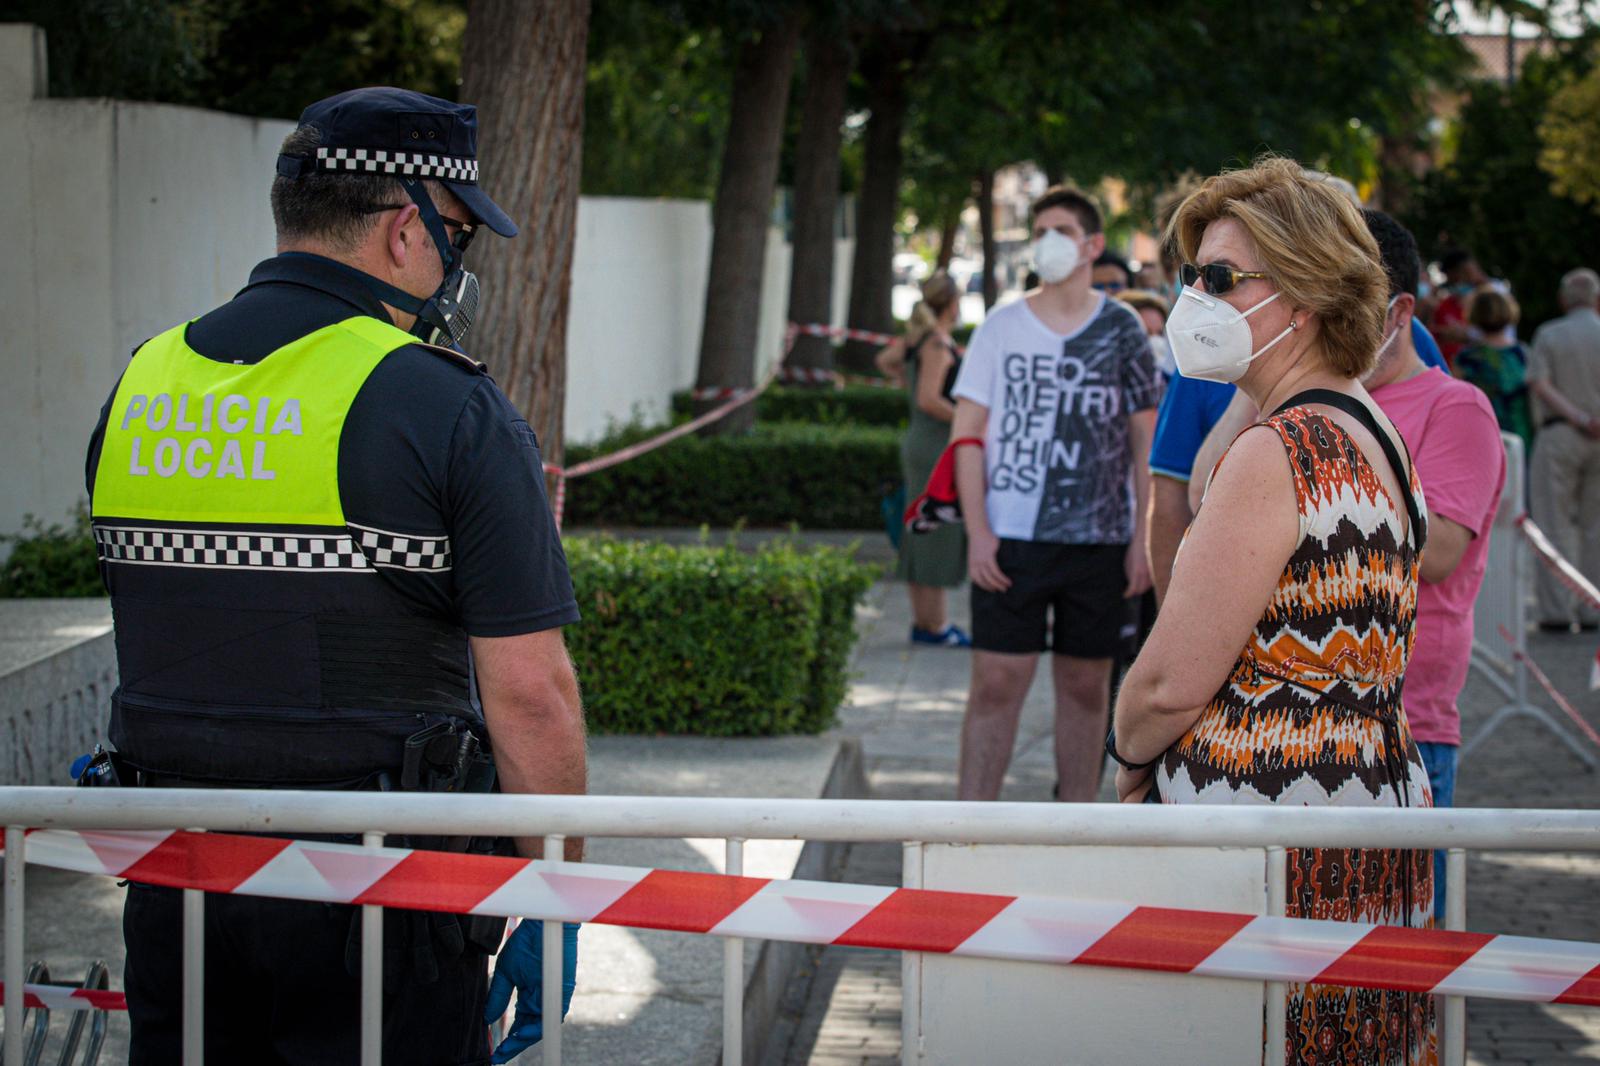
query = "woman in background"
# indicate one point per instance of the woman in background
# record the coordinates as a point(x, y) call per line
point(931, 562)
point(1153, 309)
point(1497, 364)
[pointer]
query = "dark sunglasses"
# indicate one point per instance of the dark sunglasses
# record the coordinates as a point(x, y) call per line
point(1219, 277)
point(1113, 287)
point(464, 230)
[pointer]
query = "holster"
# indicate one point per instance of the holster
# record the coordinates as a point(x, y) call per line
point(417, 945)
point(445, 757)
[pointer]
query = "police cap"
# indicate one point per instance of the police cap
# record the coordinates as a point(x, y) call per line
point(385, 131)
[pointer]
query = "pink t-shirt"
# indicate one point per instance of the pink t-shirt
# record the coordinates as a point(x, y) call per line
point(1455, 444)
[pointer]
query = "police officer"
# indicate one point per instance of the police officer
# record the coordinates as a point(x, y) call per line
point(332, 566)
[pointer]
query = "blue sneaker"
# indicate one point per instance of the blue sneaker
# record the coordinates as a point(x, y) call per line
point(948, 637)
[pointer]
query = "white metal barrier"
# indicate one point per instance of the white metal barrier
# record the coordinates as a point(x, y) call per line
point(734, 819)
point(1500, 617)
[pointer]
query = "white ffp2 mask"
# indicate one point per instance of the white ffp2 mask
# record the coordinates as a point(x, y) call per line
point(1210, 338)
point(1055, 255)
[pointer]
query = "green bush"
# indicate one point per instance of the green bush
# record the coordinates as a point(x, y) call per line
point(842, 582)
point(49, 561)
point(862, 405)
point(712, 640)
point(781, 474)
point(706, 640)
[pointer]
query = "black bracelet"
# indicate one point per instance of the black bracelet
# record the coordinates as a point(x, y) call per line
point(1111, 750)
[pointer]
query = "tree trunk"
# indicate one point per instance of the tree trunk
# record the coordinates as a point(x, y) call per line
point(524, 66)
point(878, 204)
point(947, 236)
point(816, 193)
point(991, 288)
point(742, 213)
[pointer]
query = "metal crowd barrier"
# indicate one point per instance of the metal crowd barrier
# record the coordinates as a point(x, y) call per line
point(1500, 618)
point(913, 824)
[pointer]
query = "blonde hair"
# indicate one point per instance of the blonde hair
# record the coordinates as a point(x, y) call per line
point(1313, 243)
point(938, 293)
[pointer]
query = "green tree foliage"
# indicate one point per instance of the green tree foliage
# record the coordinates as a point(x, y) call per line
point(270, 58)
point(1570, 134)
point(132, 49)
point(254, 57)
point(656, 108)
point(1147, 91)
point(1494, 198)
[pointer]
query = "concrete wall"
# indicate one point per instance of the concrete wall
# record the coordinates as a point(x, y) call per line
point(638, 301)
point(58, 665)
point(125, 218)
point(122, 218)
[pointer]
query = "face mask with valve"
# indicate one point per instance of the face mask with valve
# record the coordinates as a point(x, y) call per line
point(445, 316)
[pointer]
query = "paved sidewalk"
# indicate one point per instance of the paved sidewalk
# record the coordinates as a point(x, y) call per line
point(906, 708)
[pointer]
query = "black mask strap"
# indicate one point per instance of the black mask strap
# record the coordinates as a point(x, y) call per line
point(430, 218)
point(389, 294)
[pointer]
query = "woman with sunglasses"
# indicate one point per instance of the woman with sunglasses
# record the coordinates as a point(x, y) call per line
point(1273, 673)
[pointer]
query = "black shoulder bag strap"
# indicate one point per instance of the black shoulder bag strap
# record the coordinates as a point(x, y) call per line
point(1398, 763)
point(1363, 414)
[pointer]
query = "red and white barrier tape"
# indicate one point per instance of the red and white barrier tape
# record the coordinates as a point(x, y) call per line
point(64, 997)
point(813, 375)
point(1556, 563)
point(1561, 702)
point(1569, 576)
point(731, 398)
point(736, 398)
point(1080, 932)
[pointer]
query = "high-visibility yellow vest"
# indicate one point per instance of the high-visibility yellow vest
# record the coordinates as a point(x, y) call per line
point(192, 439)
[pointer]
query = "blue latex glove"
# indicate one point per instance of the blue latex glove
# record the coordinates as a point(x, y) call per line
point(521, 966)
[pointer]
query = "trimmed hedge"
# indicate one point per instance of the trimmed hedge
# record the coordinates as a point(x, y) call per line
point(51, 561)
point(780, 474)
point(704, 640)
point(711, 640)
point(862, 405)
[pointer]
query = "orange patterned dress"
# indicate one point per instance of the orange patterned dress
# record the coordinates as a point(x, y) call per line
point(1311, 716)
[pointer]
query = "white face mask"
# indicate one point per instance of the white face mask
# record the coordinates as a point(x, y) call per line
point(1055, 255)
point(1161, 353)
point(1211, 339)
point(1387, 341)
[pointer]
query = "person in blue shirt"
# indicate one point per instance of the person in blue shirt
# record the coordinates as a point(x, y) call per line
point(1188, 411)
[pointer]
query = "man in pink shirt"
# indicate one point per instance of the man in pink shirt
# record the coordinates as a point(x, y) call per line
point(1455, 445)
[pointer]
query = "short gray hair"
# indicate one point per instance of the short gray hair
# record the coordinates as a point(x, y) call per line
point(336, 208)
point(1580, 288)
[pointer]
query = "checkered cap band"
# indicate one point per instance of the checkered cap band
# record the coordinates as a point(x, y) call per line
point(410, 164)
point(262, 550)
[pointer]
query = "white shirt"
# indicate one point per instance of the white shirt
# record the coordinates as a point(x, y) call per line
point(1056, 448)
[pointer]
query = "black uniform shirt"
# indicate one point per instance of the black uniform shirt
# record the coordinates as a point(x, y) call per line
point(430, 447)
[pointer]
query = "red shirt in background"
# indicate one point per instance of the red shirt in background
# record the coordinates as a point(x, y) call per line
point(1455, 445)
point(1452, 311)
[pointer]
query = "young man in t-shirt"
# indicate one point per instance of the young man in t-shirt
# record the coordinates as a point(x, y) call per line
point(1062, 389)
point(1454, 440)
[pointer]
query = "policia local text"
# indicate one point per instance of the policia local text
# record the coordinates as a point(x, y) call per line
point(199, 458)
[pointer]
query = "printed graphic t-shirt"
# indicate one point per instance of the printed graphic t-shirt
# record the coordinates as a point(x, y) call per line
point(1056, 450)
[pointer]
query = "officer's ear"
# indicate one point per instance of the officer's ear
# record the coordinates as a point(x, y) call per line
point(401, 235)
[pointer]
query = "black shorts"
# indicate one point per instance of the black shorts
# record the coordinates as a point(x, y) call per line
point(1066, 598)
